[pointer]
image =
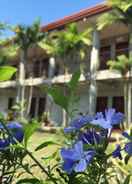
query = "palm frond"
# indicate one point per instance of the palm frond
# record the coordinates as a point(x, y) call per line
point(107, 19)
point(122, 64)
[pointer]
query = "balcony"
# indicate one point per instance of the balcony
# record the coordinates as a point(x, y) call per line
point(122, 48)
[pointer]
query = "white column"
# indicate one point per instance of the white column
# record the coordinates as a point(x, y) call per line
point(51, 67)
point(94, 65)
point(51, 71)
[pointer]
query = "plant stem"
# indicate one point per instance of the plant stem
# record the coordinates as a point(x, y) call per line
point(41, 166)
point(30, 154)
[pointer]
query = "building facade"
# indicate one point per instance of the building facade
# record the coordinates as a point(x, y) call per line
point(42, 70)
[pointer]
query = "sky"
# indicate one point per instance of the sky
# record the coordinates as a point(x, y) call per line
point(26, 11)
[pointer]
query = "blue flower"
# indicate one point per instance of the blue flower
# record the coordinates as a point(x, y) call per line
point(90, 137)
point(125, 134)
point(17, 131)
point(76, 159)
point(69, 130)
point(117, 152)
point(128, 148)
point(4, 143)
point(78, 123)
point(109, 119)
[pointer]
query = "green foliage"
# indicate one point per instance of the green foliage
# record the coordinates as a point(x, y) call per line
point(123, 5)
point(6, 72)
point(27, 36)
point(58, 96)
point(107, 19)
point(122, 12)
point(61, 99)
point(127, 180)
point(74, 81)
point(122, 64)
point(29, 130)
point(65, 42)
point(45, 144)
point(29, 181)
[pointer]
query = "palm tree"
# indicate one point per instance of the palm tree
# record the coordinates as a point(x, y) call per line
point(66, 44)
point(25, 38)
point(121, 12)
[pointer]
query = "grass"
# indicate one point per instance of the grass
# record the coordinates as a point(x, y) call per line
point(37, 139)
point(40, 137)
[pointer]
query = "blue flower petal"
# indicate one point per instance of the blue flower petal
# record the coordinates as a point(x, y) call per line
point(80, 122)
point(67, 154)
point(102, 123)
point(117, 118)
point(128, 148)
point(90, 137)
point(69, 130)
point(125, 134)
point(99, 115)
point(109, 114)
point(68, 166)
point(17, 131)
point(14, 125)
point(4, 143)
point(80, 166)
point(117, 152)
point(78, 147)
point(89, 156)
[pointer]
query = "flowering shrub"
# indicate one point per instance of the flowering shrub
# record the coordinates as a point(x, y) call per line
point(87, 153)
point(83, 158)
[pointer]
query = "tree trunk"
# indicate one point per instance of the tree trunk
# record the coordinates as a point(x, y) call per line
point(94, 65)
point(129, 87)
point(21, 88)
point(50, 75)
point(29, 100)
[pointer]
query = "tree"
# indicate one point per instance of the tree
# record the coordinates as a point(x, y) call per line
point(66, 44)
point(121, 12)
point(25, 37)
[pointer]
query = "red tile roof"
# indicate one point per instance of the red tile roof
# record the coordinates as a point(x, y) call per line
point(77, 16)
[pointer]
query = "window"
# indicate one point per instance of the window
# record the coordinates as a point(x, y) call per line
point(37, 107)
point(41, 108)
point(44, 67)
point(104, 57)
point(10, 102)
point(101, 104)
point(33, 107)
point(118, 103)
point(122, 48)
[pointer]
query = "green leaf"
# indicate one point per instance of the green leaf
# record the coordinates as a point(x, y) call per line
point(127, 159)
point(29, 129)
point(74, 80)
point(106, 20)
point(29, 181)
point(127, 180)
point(50, 157)
point(58, 97)
point(45, 144)
point(6, 72)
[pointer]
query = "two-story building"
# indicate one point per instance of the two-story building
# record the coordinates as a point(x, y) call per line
point(41, 70)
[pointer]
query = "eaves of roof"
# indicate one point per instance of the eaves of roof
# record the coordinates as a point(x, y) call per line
point(86, 13)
